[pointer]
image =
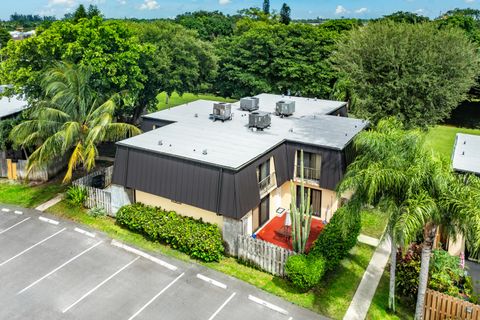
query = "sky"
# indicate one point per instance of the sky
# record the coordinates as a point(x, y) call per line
point(300, 8)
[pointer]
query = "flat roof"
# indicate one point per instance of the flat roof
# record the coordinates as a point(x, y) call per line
point(11, 105)
point(466, 153)
point(231, 144)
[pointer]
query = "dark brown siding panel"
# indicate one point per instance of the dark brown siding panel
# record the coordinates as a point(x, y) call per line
point(149, 124)
point(120, 168)
point(247, 193)
point(173, 179)
point(227, 198)
point(342, 112)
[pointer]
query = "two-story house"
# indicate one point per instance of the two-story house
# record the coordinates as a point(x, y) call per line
point(237, 171)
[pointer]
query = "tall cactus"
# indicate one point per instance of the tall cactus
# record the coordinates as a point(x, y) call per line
point(301, 217)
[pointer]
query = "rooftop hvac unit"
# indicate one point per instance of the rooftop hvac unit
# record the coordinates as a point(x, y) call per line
point(222, 111)
point(259, 120)
point(285, 108)
point(249, 103)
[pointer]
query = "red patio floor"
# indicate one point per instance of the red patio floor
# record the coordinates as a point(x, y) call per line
point(267, 233)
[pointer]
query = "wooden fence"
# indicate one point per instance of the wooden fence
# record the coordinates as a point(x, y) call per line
point(3, 165)
point(264, 255)
point(97, 198)
point(439, 306)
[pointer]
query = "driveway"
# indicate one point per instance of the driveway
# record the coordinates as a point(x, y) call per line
point(54, 269)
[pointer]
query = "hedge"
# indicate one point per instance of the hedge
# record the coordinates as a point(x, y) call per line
point(333, 243)
point(305, 272)
point(196, 238)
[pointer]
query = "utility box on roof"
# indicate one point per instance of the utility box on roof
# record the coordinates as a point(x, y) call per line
point(249, 103)
point(285, 108)
point(259, 120)
point(222, 111)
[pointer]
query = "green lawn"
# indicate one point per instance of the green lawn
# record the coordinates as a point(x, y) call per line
point(22, 194)
point(331, 298)
point(379, 306)
point(373, 223)
point(442, 138)
point(176, 99)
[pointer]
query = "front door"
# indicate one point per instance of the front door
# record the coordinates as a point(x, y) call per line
point(315, 200)
point(264, 210)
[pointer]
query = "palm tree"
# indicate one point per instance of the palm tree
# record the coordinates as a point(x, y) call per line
point(71, 120)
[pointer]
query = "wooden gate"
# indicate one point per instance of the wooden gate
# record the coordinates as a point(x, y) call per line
point(11, 170)
point(439, 306)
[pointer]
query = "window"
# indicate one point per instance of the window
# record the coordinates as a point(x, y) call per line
point(266, 179)
point(315, 200)
point(261, 214)
point(264, 170)
point(312, 165)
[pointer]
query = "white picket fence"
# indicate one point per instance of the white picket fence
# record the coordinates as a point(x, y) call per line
point(262, 254)
point(97, 198)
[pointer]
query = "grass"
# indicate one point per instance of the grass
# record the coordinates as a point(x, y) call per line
point(331, 298)
point(378, 308)
point(176, 99)
point(442, 138)
point(25, 195)
point(373, 223)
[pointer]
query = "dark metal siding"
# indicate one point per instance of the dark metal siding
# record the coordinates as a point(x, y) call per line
point(229, 193)
point(341, 112)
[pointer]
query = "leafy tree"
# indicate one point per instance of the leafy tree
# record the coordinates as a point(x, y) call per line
point(405, 70)
point(4, 37)
point(469, 12)
point(93, 11)
point(71, 120)
point(418, 191)
point(266, 6)
point(6, 125)
point(209, 25)
point(285, 12)
point(180, 61)
point(406, 17)
point(117, 59)
point(80, 13)
point(273, 57)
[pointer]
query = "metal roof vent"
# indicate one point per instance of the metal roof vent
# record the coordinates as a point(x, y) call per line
point(259, 120)
point(160, 142)
point(285, 108)
point(249, 103)
point(222, 111)
point(204, 152)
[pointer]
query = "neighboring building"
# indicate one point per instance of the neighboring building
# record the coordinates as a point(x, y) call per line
point(465, 160)
point(11, 106)
point(20, 35)
point(235, 176)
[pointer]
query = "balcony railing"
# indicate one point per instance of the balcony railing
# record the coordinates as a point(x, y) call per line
point(267, 183)
point(309, 173)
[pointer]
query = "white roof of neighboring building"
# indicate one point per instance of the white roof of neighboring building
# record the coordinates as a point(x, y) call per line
point(231, 144)
point(11, 105)
point(466, 153)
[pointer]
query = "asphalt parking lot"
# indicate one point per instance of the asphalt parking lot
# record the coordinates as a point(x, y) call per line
point(54, 269)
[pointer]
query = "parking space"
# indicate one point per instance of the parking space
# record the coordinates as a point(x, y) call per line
point(53, 269)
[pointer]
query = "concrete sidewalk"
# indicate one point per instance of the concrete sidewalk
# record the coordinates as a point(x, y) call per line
point(366, 290)
point(50, 203)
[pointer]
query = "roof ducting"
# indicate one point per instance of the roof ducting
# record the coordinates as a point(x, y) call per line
point(259, 120)
point(285, 108)
point(249, 103)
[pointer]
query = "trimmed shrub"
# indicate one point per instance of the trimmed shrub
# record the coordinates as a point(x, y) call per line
point(333, 243)
point(305, 272)
point(97, 212)
point(76, 196)
point(196, 238)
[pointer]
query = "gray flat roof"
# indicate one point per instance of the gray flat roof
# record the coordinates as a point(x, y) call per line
point(11, 105)
point(231, 144)
point(466, 153)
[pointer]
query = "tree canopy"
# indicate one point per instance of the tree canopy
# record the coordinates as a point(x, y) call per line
point(407, 71)
point(209, 25)
point(273, 57)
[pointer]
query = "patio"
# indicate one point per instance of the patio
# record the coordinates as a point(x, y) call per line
point(274, 232)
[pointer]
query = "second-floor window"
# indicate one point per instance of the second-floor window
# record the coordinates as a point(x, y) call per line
point(266, 178)
point(312, 165)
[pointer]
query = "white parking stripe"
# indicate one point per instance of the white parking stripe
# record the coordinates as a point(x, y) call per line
point(99, 285)
point(209, 280)
point(144, 255)
point(267, 304)
point(222, 306)
point(155, 297)
point(18, 212)
point(48, 220)
point(30, 248)
point(89, 234)
point(5, 210)
point(16, 224)
point(59, 267)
